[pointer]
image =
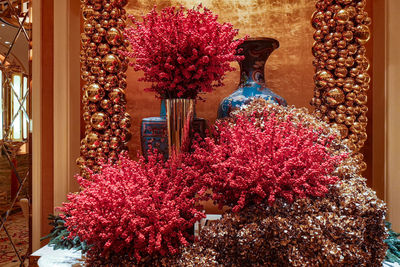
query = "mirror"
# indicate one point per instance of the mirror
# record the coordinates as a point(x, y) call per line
point(15, 131)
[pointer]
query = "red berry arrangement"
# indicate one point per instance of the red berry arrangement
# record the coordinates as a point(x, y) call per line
point(135, 209)
point(182, 52)
point(263, 157)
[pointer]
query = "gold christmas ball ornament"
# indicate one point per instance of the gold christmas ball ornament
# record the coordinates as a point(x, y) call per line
point(356, 127)
point(349, 120)
point(103, 49)
point(342, 16)
point(114, 142)
point(336, 36)
point(362, 34)
point(340, 118)
point(97, 38)
point(125, 123)
point(339, 82)
point(341, 72)
point(111, 63)
point(362, 119)
point(91, 153)
point(341, 109)
point(341, 62)
point(86, 116)
point(85, 40)
point(121, 24)
point(321, 78)
point(105, 104)
point(363, 137)
point(87, 12)
point(113, 125)
point(99, 121)
point(92, 140)
point(343, 130)
point(112, 79)
point(361, 99)
point(95, 70)
point(107, 6)
point(341, 44)
point(88, 28)
point(94, 92)
point(351, 96)
point(350, 110)
point(117, 132)
point(118, 108)
point(92, 107)
point(122, 83)
point(116, 118)
point(105, 15)
point(367, 21)
point(115, 13)
point(114, 36)
point(331, 114)
point(108, 87)
point(348, 36)
point(332, 53)
point(117, 96)
point(97, 6)
point(352, 48)
point(335, 97)
point(105, 24)
point(80, 161)
point(102, 73)
point(113, 23)
point(318, 19)
point(343, 53)
point(351, 10)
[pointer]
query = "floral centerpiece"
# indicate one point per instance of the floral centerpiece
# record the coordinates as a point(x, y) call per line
point(182, 52)
point(291, 184)
point(135, 211)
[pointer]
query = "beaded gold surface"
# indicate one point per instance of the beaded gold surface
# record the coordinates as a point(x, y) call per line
point(103, 70)
point(341, 65)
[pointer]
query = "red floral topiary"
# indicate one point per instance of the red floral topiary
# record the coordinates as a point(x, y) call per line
point(264, 158)
point(182, 52)
point(134, 209)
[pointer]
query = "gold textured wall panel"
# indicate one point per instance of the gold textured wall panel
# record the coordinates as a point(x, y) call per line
point(289, 70)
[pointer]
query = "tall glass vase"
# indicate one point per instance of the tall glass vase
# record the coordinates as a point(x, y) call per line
point(252, 82)
point(180, 115)
point(154, 132)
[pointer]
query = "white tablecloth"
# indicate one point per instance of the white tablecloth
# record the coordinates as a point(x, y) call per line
point(66, 258)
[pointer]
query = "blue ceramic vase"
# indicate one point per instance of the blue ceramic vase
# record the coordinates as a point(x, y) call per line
point(252, 82)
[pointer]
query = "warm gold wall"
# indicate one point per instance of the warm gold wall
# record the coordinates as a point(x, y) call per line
point(289, 69)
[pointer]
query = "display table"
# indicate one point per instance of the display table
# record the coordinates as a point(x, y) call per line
point(48, 257)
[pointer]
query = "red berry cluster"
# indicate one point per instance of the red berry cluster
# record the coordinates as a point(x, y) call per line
point(182, 52)
point(135, 208)
point(265, 158)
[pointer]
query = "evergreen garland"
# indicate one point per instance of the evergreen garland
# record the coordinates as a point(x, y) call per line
point(393, 252)
point(59, 236)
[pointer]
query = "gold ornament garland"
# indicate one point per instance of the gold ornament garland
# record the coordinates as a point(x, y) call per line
point(103, 70)
point(341, 78)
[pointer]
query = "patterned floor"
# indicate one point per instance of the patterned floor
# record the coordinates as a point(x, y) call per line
point(18, 229)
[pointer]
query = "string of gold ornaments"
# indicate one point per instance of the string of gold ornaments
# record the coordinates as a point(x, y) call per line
point(103, 70)
point(341, 78)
